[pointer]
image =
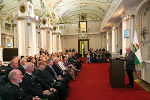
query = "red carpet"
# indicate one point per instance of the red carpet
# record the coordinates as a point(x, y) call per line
point(92, 83)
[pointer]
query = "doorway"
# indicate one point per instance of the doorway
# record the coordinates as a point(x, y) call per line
point(83, 47)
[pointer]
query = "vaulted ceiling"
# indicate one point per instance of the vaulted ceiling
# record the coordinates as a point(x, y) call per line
point(61, 11)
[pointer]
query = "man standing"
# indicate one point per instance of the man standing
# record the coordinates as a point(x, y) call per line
point(130, 65)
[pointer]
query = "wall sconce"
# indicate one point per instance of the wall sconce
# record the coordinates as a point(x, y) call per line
point(144, 32)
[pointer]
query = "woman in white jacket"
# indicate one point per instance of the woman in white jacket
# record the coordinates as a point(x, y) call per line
point(66, 69)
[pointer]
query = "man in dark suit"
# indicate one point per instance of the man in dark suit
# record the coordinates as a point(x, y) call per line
point(13, 65)
point(93, 56)
point(58, 77)
point(33, 87)
point(21, 66)
point(130, 66)
point(12, 90)
point(47, 82)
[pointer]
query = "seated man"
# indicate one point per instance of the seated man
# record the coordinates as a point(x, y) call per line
point(12, 90)
point(33, 87)
point(47, 82)
point(13, 65)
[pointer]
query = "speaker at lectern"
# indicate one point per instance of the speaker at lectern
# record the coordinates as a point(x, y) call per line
point(116, 73)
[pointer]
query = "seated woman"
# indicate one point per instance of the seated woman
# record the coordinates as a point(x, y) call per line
point(66, 69)
point(88, 58)
point(68, 65)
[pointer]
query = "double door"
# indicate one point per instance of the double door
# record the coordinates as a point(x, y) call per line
point(83, 47)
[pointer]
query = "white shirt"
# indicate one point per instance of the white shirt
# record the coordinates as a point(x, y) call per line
point(60, 63)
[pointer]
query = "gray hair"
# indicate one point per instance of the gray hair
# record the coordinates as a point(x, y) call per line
point(22, 60)
point(55, 58)
point(12, 73)
point(27, 65)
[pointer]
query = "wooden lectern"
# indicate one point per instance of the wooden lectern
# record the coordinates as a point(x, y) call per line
point(116, 73)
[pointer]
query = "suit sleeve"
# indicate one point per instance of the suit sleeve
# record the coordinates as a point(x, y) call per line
point(130, 59)
point(44, 82)
point(27, 85)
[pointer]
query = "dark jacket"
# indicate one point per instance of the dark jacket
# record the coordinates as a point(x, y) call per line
point(44, 79)
point(21, 68)
point(2, 67)
point(57, 69)
point(13, 92)
point(31, 85)
point(130, 61)
point(51, 72)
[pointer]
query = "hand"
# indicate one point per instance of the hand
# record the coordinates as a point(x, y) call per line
point(53, 82)
point(3, 70)
point(36, 98)
point(64, 72)
point(46, 92)
point(66, 68)
point(59, 78)
point(52, 90)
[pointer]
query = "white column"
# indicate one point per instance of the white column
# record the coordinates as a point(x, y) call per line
point(60, 47)
point(1, 49)
point(29, 38)
point(132, 20)
point(123, 39)
point(57, 45)
point(115, 40)
point(21, 37)
point(47, 39)
point(119, 38)
point(110, 41)
point(37, 40)
point(43, 38)
point(51, 42)
point(15, 36)
point(0, 36)
point(33, 39)
point(11, 41)
point(54, 43)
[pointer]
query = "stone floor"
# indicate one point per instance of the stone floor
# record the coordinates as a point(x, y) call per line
point(140, 82)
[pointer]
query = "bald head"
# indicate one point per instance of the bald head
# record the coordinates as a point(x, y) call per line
point(29, 67)
point(15, 76)
point(128, 50)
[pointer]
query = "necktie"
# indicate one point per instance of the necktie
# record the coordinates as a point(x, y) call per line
point(54, 72)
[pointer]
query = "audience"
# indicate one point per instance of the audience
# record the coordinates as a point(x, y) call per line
point(44, 76)
point(12, 90)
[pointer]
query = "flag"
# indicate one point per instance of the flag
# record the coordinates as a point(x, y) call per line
point(136, 48)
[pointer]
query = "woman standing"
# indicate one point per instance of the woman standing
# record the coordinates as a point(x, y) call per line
point(88, 57)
